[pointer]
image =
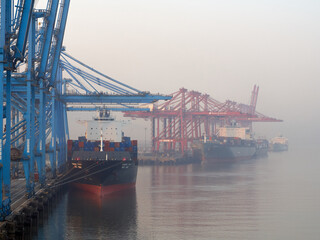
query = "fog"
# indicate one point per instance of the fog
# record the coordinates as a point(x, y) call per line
point(221, 48)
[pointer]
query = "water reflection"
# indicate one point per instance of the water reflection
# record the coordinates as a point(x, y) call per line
point(92, 217)
point(198, 202)
point(80, 215)
point(271, 198)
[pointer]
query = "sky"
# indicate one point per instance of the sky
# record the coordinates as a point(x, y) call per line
point(218, 47)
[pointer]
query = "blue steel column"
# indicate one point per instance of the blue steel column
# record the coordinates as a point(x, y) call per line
point(50, 21)
point(14, 121)
point(53, 146)
point(65, 119)
point(60, 126)
point(63, 128)
point(28, 154)
point(7, 146)
point(65, 123)
point(2, 77)
point(60, 35)
point(41, 160)
point(65, 115)
point(23, 29)
point(48, 37)
point(4, 47)
point(14, 117)
point(39, 155)
point(30, 80)
point(32, 136)
point(41, 145)
point(56, 80)
point(57, 84)
point(60, 131)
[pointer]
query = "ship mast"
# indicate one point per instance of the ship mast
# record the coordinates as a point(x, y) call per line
point(101, 142)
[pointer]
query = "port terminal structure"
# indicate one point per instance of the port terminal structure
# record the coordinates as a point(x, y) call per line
point(189, 116)
point(36, 97)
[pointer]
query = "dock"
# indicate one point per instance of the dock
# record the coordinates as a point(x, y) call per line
point(27, 214)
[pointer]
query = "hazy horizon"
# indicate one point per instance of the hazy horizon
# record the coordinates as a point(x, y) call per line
point(222, 48)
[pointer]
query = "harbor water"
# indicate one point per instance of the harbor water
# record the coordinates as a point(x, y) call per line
point(276, 197)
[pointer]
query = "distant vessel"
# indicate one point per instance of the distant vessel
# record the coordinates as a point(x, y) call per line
point(262, 147)
point(230, 143)
point(104, 161)
point(279, 144)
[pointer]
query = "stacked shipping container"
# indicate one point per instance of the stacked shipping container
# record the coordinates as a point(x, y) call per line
point(82, 144)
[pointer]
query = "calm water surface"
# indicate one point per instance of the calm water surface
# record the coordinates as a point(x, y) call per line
point(277, 197)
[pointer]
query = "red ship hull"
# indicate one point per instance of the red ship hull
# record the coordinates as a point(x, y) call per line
point(103, 190)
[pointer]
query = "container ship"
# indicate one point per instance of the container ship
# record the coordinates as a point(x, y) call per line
point(262, 148)
point(104, 161)
point(230, 143)
point(278, 144)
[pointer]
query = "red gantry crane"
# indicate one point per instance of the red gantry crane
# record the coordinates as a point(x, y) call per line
point(189, 115)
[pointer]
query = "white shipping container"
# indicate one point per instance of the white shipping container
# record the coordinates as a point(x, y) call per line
point(110, 130)
point(236, 132)
point(280, 140)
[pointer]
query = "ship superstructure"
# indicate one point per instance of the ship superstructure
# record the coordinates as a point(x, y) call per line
point(230, 143)
point(104, 126)
point(105, 160)
point(278, 144)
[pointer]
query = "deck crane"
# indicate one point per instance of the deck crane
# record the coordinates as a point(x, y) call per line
point(34, 94)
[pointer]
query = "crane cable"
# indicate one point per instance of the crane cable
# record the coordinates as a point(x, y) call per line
point(79, 172)
point(73, 180)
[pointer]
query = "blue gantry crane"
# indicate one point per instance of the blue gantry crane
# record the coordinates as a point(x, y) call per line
point(39, 83)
